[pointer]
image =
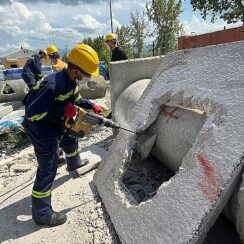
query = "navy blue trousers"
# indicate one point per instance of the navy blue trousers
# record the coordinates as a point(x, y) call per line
point(46, 141)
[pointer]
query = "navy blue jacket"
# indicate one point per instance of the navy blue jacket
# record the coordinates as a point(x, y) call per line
point(34, 66)
point(45, 102)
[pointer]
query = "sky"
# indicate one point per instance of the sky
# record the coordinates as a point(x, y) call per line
point(35, 24)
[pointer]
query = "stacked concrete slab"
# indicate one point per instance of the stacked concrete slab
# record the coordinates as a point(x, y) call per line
point(208, 79)
point(7, 108)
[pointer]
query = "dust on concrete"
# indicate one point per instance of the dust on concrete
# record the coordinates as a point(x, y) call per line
point(87, 221)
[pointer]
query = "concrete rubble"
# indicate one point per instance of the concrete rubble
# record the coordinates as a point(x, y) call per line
point(183, 208)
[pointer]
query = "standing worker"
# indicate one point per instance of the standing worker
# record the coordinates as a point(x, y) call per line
point(32, 70)
point(53, 54)
point(117, 53)
point(47, 105)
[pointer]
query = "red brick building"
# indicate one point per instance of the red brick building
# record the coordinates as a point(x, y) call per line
point(213, 38)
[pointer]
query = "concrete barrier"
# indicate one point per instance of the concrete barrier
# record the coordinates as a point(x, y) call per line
point(12, 90)
point(124, 73)
point(208, 79)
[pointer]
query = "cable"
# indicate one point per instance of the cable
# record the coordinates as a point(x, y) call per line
point(18, 190)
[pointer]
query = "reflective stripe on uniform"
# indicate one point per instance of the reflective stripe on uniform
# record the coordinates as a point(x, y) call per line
point(37, 194)
point(69, 155)
point(63, 97)
point(77, 94)
point(77, 89)
point(78, 98)
point(37, 117)
point(37, 86)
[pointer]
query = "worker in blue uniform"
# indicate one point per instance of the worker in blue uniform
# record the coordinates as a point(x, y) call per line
point(46, 106)
point(32, 70)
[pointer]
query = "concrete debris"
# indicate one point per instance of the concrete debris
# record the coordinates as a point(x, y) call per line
point(143, 177)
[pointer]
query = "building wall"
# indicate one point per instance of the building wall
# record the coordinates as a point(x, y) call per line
point(20, 62)
point(214, 38)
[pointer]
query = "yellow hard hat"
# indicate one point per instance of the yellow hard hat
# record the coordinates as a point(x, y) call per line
point(85, 57)
point(110, 36)
point(51, 49)
point(43, 51)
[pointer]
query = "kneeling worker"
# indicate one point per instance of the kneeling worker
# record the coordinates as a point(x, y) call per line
point(47, 105)
point(32, 70)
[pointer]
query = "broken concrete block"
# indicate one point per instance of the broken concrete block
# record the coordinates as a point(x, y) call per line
point(124, 73)
point(94, 87)
point(12, 90)
point(94, 154)
point(208, 79)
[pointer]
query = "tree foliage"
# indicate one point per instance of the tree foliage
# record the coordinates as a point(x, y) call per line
point(164, 15)
point(124, 39)
point(138, 33)
point(99, 45)
point(231, 11)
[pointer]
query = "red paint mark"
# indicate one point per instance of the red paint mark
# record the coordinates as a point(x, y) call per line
point(211, 182)
point(170, 114)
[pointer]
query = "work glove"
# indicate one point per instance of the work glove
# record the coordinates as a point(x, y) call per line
point(97, 109)
point(70, 110)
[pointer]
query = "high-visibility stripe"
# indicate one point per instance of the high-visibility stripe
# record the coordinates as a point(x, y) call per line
point(63, 97)
point(37, 194)
point(78, 97)
point(37, 117)
point(37, 86)
point(77, 89)
point(69, 155)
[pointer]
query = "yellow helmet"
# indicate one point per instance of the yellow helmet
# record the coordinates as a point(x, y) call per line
point(51, 49)
point(43, 51)
point(110, 36)
point(85, 57)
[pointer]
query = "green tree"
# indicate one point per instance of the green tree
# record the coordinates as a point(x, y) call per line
point(231, 11)
point(138, 33)
point(164, 14)
point(124, 39)
point(99, 45)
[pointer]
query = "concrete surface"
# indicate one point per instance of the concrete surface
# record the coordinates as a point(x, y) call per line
point(94, 154)
point(94, 87)
point(13, 115)
point(177, 128)
point(209, 79)
point(8, 107)
point(129, 71)
point(17, 86)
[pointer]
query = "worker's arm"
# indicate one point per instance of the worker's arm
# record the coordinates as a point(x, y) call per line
point(38, 66)
point(84, 103)
point(40, 105)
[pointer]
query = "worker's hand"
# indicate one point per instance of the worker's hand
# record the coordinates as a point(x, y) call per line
point(97, 109)
point(70, 110)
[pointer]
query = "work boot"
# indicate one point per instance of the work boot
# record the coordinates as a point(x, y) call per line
point(55, 219)
point(80, 163)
